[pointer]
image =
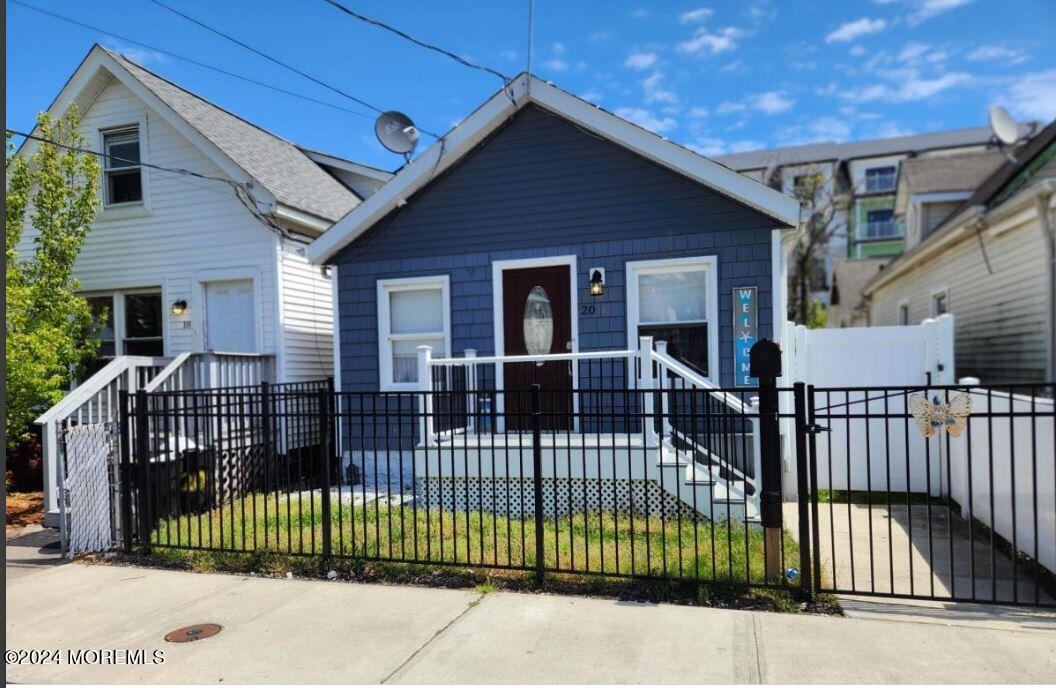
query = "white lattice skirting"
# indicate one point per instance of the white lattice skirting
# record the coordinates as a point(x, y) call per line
point(561, 496)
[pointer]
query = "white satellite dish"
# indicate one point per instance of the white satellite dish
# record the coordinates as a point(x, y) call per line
point(396, 132)
point(1004, 127)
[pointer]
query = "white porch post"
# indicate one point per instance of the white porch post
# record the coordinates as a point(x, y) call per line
point(425, 384)
point(471, 389)
point(645, 361)
point(665, 406)
point(50, 448)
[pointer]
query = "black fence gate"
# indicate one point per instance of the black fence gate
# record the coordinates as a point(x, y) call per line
point(937, 492)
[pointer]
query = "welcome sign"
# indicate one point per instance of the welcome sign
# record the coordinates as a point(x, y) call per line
point(746, 331)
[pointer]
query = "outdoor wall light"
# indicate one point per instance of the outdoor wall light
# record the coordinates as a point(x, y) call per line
point(178, 307)
point(597, 281)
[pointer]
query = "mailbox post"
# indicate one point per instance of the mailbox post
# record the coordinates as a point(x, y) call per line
point(765, 366)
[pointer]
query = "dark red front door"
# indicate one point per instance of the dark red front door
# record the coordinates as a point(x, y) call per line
point(535, 293)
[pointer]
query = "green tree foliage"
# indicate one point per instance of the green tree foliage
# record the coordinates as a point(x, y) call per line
point(818, 315)
point(50, 328)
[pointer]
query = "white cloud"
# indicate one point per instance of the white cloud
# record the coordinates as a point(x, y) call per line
point(601, 37)
point(851, 30)
point(771, 102)
point(556, 65)
point(858, 51)
point(708, 145)
point(718, 42)
point(998, 53)
point(887, 130)
point(641, 60)
point(697, 111)
point(910, 87)
point(143, 56)
point(732, 67)
point(640, 13)
point(729, 108)
point(559, 48)
point(1032, 96)
point(592, 96)
point(508, 55)
point(655, 91)
point(647, 119)
point(820, 129)
point(694, 16)
point(926, 9)
point(745, 145)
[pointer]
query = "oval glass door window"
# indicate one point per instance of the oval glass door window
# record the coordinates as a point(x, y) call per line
point(538, 323)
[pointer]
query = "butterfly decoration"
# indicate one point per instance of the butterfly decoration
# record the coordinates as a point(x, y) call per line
point(933, 415)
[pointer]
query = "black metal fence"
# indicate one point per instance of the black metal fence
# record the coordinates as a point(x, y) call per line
point(543, 486)
point(938, 492)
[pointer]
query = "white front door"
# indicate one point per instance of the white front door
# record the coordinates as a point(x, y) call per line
point(230, 325)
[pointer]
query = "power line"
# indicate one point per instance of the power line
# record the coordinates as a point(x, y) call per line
point(191, 60)
point(428, 46)
point(241, 192)
point(274, 60)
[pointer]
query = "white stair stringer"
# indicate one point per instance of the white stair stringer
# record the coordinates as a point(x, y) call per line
point(702, 488)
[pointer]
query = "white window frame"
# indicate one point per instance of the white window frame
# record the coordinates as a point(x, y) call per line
point(117, 297)
point(903, 304)
point(941, 291)
point(653, 267)
point(894, 183)
point(386, 338)
point(132, 208)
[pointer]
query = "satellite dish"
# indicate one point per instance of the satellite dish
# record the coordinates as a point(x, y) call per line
point(1004, 127)
point(396, 132)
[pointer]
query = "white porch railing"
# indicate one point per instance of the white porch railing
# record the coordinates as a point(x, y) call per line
point(96, 400)
point(646, 368)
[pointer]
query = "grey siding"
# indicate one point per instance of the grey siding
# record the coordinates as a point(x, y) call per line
point(542, 187)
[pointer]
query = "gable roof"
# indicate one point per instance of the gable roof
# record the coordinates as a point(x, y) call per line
point(284, 176)
point(945, 173)
point(277, 164)
point(525, 89)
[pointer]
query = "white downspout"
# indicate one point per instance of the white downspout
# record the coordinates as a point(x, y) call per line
point(1042, 203)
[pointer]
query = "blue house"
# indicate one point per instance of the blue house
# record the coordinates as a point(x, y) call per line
point(546, 229)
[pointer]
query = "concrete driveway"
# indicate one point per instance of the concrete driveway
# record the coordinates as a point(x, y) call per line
point(285, 631)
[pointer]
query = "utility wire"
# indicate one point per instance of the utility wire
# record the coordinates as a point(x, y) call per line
point(241, 192)
point(191, 60)
point(428, 46)
point(274, 60)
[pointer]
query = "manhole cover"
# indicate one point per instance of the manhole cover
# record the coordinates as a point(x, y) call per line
point(195, 632)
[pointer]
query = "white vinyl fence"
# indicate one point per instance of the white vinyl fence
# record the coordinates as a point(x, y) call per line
point(1002, 471)
point(847, 360)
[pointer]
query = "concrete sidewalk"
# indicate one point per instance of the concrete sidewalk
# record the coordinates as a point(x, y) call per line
point(283, 631)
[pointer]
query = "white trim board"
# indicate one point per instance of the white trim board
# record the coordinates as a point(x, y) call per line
point(524, 90)
point(708, 263)
point(386, 286)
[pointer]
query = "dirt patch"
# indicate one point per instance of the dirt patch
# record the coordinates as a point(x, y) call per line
point(23, 509)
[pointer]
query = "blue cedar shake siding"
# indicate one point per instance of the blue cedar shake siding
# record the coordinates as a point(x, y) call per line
point(541, 186)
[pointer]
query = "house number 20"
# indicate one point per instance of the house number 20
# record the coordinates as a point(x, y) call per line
point(587, 309)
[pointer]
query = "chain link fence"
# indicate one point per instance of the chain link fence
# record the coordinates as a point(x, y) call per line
point(91, 489)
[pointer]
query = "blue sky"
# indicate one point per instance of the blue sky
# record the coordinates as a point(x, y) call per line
point(716, 76)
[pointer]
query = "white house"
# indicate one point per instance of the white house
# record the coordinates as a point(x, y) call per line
point(186, 265)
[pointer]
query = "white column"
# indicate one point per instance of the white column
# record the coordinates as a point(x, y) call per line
point(471, 389)
point(665, 406)
point(646, 386)
point(425, 384)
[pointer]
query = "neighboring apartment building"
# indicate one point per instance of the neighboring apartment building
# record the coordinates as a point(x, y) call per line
point(862, 177)
point(990, 263)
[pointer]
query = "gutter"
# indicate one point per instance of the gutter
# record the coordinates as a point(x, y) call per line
point(1042, 203)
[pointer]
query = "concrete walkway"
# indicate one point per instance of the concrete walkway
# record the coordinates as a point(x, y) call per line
point(283, 631)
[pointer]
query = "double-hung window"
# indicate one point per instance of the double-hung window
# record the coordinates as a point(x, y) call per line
point(676, 301)
point(121, 167)
point(940, 303)
point(412, 312)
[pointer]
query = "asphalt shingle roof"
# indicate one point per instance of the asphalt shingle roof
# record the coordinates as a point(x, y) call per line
point(277, 164)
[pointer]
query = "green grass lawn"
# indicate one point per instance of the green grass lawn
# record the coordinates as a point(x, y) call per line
point(585, 542)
